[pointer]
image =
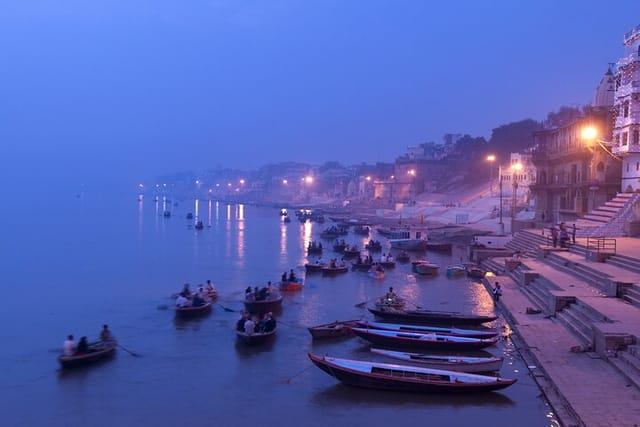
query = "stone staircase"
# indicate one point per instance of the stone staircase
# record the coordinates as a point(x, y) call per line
point(539, 293)
point(622, 261)
point(528, 243)
point(610, 219)
point(632, 295)
point(587, 274)
point(628, 363)
point(579, 318)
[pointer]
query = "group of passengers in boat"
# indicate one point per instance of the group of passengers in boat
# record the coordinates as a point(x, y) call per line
point(254, 324)
point(291, 277)
point(261, 294)
point(204, 294)
point(390, 298)
point(386, 257)
point(313, 246)
point(367, 259)
point(333, 263)
point(71, 348)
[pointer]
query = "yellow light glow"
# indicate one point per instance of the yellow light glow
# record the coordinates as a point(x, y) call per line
point(516, 166)
point(589, 133)
point(242, 182)
point(285, 182)
point(368, 178)
point(308, 179)
point(411, 172)
point(491, 158)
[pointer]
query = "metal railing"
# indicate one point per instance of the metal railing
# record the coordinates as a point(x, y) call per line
point(601, 244)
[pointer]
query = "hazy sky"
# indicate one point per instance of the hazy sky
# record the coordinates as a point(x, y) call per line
point(135, 88)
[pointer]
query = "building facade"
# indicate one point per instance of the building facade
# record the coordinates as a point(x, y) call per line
point(626, 110)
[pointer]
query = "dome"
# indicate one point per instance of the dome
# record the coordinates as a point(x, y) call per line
point(605, 91)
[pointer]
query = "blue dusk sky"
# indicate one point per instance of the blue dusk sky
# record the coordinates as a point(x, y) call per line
point(130, 89)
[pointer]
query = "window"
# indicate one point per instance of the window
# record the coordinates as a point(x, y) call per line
point(627, 167)
point(617, 139)
point(625, 138)
point(625, 109)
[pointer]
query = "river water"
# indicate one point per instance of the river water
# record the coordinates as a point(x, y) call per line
point(75, 262)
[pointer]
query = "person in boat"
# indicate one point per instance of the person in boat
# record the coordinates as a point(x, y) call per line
point(292, 276)
point(332, 263)
point(270, 289)
point(284, 277)
point(209, 286)
point(391, 296)
point(197, 301)
point(247, 292)
point(319, 245)
point(249, 326)
point(201, 292)
point(69, 346)
point(263, 294)
point(105, 334)
point(186, 290)
point(83, 346)
point(241, 322)
point(269, 323)
point(182, 301)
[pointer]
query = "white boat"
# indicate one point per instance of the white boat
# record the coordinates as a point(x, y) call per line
point(448, 363)
point(426, 268)
point(470, 333)
point(409, 239)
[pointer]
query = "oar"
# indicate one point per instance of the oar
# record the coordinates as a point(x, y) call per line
point(227, 308)
point(129, 351)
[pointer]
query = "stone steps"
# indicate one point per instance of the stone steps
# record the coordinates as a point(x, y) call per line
point(622, 261)
point(588, 275)
point(538, 292)
point(575, 325)
point(628, 364)
point(632, 295)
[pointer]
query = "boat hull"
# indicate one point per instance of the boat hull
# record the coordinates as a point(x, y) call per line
point(255, 338)
point(431, 317)
point(468, 333)
point(296, 285)
point(448, 363)
point(336, 329)
point(97, 352)
point(403, 378)
point(422, 341)
point(194, 311)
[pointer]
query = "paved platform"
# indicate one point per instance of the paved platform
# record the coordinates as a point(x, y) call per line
point(589, 390)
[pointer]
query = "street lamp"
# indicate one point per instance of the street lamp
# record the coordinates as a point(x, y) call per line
point(515, 168)
point(491, 158)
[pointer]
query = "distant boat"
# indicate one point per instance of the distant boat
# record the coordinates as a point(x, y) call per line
point(408, 239)
point(421, 316)
point(193, 311)
point(199, 225)
point(456, 270)
point(272, 303)
point(256, 338)
point(166, 214)
point(426, 268)
point(416, 340)
point(97, 351)
point(456, 332)
point(335, 329)
point(386, 376)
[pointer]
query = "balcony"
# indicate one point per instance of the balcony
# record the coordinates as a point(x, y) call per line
point(626, 149)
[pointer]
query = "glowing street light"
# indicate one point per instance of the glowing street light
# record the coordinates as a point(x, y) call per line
point(411, 172)
point(241, 181)
point(308, 179)
point(285, 182)
point(491, 158)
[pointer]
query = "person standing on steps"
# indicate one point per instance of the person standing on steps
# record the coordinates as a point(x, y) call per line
point(497, 292)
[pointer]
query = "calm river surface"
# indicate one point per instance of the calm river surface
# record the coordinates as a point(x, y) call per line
point(74, 263)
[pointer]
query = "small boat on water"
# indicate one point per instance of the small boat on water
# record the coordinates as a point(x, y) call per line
point(409, 239)
point(426, 268)
point(388, 263)
point(290, 286)
point(361, 266)
point(386, 376)
point(335, 329)
point(199, 225)
point(335, 268)
point(422, 316)
point(376, 273)
point(417, 340)
point(314, 248)
point(189, 215)
point(339, 247)
point(373, 245)
point(456, 270)
point(193, 311)
point(456, 332)
point(362, 230)
point(449, 363)
point(256, 338)
point(403, 256)
point(351, 252)
point(97, 351)
point(271, 303)
point(475, 272)
point(314, 267)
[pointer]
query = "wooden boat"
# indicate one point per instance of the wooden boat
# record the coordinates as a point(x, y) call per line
point(97, 351)
point(397, 303)
point(422, 340)
point(189, 215)
point(351, 252)
point(314, 267)
point(290, 286)
point(361, 266)
point(456, 332)
point(426, 268)
point(387, 376)
point(456, 270)
point(272, 303)
point(475, 272)
point(336, 269)
point(376, 273)
point(339, 247)
point(446, 362)
point(422, 316)
point(314, 249)
point(256, 338)
point(199, 225)
point(287, 219)
point(333, 330)
point(373, 245)
point(193, 311)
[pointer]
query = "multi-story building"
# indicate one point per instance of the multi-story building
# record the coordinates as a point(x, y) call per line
point(626, 110)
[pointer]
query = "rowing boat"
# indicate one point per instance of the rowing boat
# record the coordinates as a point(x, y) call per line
point(447, 362)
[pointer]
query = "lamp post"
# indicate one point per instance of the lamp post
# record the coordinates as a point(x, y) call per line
point(500, 223)
point(515, 168)
point(491, 158)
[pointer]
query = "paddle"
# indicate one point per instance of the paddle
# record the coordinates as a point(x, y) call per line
point(129, 351)
point(227, 309)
